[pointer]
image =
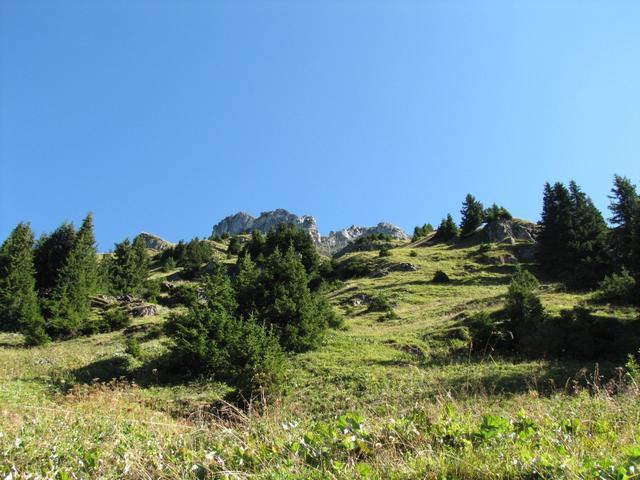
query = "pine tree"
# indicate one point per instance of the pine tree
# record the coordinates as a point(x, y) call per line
point(287, 304)
point(587, 252)
point(495, 212)
point(623, 206)
point(447, 230)
point(51, 254)
point(247, 282)
point(77, 281)
point(128, 268)
point(19, 308)
point(472, 215)
point(555, 230)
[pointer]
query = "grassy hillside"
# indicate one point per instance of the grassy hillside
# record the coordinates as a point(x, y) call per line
point(389, 396)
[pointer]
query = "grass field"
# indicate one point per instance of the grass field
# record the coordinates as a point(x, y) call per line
point(384, 397)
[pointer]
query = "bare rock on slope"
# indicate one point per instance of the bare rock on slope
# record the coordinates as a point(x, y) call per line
point(510, 231)
point(155, 242)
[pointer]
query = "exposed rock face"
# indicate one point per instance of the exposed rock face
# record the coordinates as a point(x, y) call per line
point(337, 241)
point(243, 222)
point(155, 242)
point(510, 231)
point(334, 242)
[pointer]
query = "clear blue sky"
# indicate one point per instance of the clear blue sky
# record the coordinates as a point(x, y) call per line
point(166, 116)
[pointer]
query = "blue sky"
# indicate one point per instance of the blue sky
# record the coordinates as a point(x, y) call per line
point(167, 116)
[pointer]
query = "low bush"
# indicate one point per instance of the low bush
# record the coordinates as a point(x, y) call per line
point(617, 288)
point(385, 252)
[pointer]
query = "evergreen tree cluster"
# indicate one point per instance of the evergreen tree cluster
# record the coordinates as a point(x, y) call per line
point(45, 286)
point(191, 256)
point(245, 324)
point(421, 231)
point(575, 245)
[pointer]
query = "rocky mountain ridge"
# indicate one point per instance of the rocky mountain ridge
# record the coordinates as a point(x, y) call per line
point(330, 244)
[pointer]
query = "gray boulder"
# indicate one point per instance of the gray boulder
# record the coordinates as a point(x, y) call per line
point(510, 231)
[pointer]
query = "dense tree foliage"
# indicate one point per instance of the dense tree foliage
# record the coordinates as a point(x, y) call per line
point(421, 232)
point(19, 309)
point(472, 215)
point(495, 212)
point(128, 267)
point(447, 230)
point(281, 238)
point(572, 243)
point(70, 303)
point(51, 254)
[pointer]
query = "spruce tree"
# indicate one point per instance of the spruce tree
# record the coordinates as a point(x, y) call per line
point(623, 207)
point(495, 212)
point(287, 304)
point(77, 281)
point(128, 268)
point(555, 230)
point(472, 215)
point(51, 254)
point(587, 253)
point(19, 308)
point(447, 230)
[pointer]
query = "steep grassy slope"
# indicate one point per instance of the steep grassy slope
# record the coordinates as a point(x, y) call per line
point(399, 397)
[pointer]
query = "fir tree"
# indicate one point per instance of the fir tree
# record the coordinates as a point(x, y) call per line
point(587, 252)
point(447, 230)
point(555, 230)
point(287, 304)
point(495, 212)
point(623, 207)
point(472, 215)
point(19, 308)
point(77, 281)
point(128, 267)
point(51, 254)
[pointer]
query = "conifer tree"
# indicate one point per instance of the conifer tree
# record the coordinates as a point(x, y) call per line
point(472, 215)
point(287, 304)
point(19, 308)
point(128, 267)
point(247, 283)
point(587, 254)
point(447, 230)
point(77, 281)
point(51, 254)
point(623, 207)
point(555, 230)
point(495, 212)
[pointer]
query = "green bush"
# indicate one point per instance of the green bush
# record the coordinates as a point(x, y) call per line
point(132, 347)
point(385, 252)
point(116, 319)
point(185, 294)
point(617, 288)
point(380, 303)
point(169, 265)
point(523, 308)
point(413, 253)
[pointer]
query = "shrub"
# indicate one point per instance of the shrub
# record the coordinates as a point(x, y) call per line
point(523, 305)
point(151, 290)
point(385, 252)
point(185, 294)
point(617, 288)
point(115, 319)
point(440, 277)
point(169, 265)
point(132, 347)
point(413, 253)
point(380, 303)
point(486, 330)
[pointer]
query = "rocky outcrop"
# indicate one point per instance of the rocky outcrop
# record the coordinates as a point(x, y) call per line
point(332, 243)
point(243, 222)
point(155, 242)
point(337, 241)
point(510, 231)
